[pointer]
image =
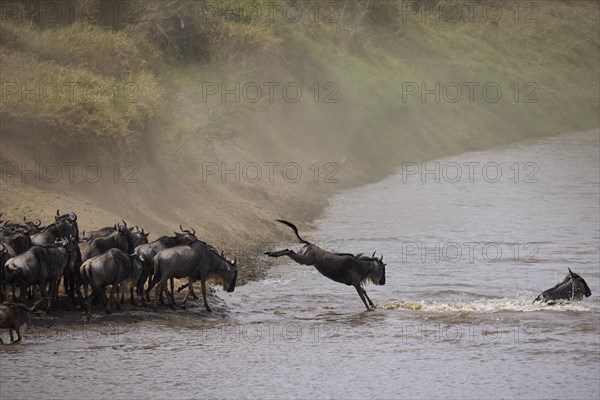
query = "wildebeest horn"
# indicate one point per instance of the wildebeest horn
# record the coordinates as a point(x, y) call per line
point(194, 231)
point(57, 213)
point(374, 254)
point(39, 222)
point(234, 261)
point(570, 272)
point(124, 223)
point(381, 258)
point(181, 228)
point(74, 216)
point(2, 247)
point(222, 253)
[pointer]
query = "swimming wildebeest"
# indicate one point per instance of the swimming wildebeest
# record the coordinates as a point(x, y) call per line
point(16, 316)
point(196, 261)
point(349, 269)
point(573, 287)
point(114, 267)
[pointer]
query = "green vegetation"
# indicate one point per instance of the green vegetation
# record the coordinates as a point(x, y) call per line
point(153, 64)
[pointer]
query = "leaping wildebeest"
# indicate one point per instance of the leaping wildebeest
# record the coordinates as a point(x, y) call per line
point(349, 269)
point(573, 287)
point(196, 261)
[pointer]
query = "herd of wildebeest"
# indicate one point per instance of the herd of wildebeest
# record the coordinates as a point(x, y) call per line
point(35, 258)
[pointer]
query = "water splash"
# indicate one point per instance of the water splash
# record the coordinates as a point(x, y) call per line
point(483, 306)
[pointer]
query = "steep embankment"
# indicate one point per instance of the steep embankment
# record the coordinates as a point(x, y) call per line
point(223, 121)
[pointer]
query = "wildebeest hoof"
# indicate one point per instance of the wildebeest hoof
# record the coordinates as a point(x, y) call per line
point(108, 311)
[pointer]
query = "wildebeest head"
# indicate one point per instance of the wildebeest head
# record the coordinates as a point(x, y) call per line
point(223, 271)
point(69, 218)
point(580, 286)
point(125, 234)
point(377, 274)
point(232, 282)
point(185, 235)
point(573, 287)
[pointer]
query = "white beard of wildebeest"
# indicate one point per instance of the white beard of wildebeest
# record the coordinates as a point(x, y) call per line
point(346, 268)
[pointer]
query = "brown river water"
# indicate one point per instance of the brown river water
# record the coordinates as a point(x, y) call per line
point(466, 256)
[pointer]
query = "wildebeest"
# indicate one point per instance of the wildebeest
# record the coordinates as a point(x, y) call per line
point(354, 270)
point(15, 317)
point(3, 258)
point(37, 267)
point(149, 250)
point(114, 267)
point(64, 226)
point(573, 287)
point(196, 261)
point(72, 275)
point(119, 239)
point(17, 243)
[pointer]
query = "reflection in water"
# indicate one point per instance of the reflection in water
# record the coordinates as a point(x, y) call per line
point(446, 325)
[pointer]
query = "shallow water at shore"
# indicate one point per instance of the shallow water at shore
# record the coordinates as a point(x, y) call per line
point(455, 318)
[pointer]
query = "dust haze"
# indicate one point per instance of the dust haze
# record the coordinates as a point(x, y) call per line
point(207, 147)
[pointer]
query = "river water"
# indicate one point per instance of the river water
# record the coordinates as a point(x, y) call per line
point(469, 241)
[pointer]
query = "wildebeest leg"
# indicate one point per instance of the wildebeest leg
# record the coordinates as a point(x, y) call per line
point(151, 283)
point(362, 293)
point(18, 331)
point(114, 288)
point(203, 285)
point(190, 285)
point(88, 300)
point(367, 296)
point(155, 281)
point(131, 298)
point(299, 258)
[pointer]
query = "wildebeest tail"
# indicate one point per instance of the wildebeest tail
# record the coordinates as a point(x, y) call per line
point(295, 230)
